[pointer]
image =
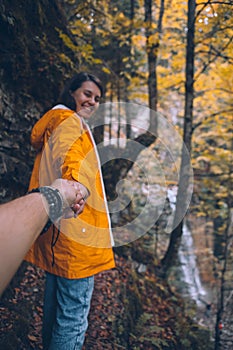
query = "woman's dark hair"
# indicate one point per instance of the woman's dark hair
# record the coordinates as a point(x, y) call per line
point(74, 84)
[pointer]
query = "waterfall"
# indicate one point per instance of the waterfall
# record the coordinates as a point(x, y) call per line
point(190, 277)
point(189, 270)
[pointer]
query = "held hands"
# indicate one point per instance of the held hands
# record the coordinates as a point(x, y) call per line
point(73, 194)
point(83, 194)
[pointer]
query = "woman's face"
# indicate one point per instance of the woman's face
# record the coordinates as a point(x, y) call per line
point(87, 99)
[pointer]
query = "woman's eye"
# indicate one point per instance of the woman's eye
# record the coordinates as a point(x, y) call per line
point(89, 95)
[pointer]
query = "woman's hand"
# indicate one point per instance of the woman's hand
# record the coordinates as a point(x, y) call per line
point(73, 194)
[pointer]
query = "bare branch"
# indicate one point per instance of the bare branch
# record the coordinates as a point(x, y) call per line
point(204, 5)
point(213, 174)
point(224, 111)
point(218, 53)
point(230, 2)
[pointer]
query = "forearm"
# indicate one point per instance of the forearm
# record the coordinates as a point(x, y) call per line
point(21, 220)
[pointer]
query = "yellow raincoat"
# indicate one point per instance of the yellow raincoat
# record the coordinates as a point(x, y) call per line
point(77, 247)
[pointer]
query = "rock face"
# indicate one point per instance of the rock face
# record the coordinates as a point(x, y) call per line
point(16, 155)
point(35, 58)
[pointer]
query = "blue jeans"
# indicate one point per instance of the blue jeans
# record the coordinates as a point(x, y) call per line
point(66, 308)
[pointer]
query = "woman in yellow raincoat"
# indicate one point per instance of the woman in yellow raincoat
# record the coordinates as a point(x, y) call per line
point(72, 251)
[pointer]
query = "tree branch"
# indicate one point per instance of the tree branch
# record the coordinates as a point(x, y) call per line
point(211, 116)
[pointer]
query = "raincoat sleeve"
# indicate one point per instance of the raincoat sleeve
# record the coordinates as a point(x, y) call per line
point(68, 151)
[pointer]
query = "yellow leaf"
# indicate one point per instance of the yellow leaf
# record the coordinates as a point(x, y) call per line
point(106, 70)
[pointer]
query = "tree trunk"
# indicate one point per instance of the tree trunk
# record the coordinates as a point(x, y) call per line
point(172, 252)
point(152, 46)
point(222, 292)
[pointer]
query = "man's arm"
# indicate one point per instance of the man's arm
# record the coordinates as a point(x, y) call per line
point(22, 220)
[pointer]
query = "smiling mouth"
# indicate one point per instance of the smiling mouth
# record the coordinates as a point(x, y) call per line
point(88, 109)
point(86, 112)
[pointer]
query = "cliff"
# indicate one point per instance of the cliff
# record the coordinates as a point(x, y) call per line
point(36, 54)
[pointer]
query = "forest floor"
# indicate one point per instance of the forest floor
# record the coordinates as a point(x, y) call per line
point(21, 311)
